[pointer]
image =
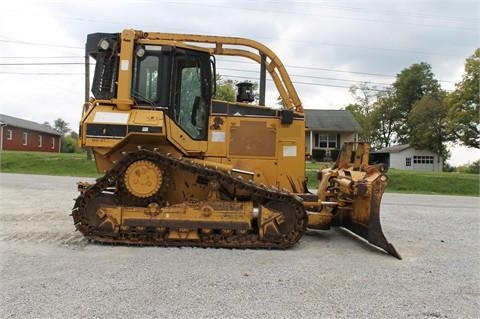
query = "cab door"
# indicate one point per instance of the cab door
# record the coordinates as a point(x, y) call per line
point(191, 87)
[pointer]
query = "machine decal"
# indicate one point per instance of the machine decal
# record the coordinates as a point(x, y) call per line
point(218, 136)
point(289, 150)
point(124, 65)
point(110, 117)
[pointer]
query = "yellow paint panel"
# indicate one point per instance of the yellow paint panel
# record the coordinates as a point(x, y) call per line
point(181, 139)
point(252, 139)
point(147, 117)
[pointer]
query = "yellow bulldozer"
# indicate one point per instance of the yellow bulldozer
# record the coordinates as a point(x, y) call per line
point(182, 168)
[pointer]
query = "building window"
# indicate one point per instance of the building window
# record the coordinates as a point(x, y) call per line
point(25, 138)
point(9, 135)
point(39, 141)
point(408, 161)
point(326, 141)
point(423, 160)
point(53, 143)
point(322, 141)
point(332, 141)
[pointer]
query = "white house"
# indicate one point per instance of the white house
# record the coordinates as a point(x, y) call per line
point(406, 157)
point(327, 130)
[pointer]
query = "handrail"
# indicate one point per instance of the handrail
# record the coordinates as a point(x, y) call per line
point(274, 66)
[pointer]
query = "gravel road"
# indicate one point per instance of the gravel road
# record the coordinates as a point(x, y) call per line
point(50, 271)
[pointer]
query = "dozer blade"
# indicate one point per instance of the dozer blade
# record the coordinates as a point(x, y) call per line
point(364, 218)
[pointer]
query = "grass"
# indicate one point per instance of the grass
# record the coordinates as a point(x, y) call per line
point(64, 164)
point(423, 182)
point(67, 164)
point(418, 182)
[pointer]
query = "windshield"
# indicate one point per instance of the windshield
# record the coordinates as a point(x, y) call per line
point(150, 76)
point(190, 110)
point(146, 83)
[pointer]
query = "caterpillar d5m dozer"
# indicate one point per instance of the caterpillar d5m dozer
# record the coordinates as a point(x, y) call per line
point(183, 168)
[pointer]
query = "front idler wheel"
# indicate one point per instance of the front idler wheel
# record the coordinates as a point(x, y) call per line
point(142, 183)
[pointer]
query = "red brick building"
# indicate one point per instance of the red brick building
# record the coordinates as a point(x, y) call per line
point(22, 135)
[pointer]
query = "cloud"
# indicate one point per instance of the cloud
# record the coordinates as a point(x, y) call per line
point(36, 92)
point(375, 37)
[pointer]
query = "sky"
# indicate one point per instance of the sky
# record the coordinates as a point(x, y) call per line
point(327, 46)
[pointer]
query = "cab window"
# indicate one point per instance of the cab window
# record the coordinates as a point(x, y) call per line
point(190, 102)
point(151, 75)
point(147, 79)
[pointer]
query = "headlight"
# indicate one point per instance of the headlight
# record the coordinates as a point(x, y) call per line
point(104, 44)
point(140, 51)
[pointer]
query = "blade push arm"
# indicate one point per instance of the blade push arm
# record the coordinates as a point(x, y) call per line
point(349, 196)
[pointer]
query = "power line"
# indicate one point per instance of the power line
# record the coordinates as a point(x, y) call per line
point(41, 44)
point(310, 76)
point(45, 63)
point(225, 75)
point(320, 15)
point(329, 70)
point(228, 69)
point(341, 71)
point(41, 73)
point(224, 60)
point(375, 11)
point(44, 57)
point(318, 68)
point(242, 70)
point(298, 82)
point(267, 38)
point(324, 69)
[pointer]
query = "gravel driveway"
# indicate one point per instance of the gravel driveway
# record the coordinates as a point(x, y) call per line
point(50, 271)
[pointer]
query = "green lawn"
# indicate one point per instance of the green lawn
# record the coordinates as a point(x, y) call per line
point(404, 181)
point(399, 180)
point(66, 164)
point(419, 182)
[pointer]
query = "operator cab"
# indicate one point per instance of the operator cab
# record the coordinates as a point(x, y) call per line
point(177, 80)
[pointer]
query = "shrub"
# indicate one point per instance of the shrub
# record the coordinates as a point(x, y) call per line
point(470, 168)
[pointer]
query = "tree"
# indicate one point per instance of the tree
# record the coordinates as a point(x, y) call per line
point(70, 143)
point(226, 90)
point(364, 120)
point(364, 95)
point(410, 86)
point(470, 168)
point(428, 120)
point(362, 110)
point(464, 104)
point(385, 115)
point(61, 126)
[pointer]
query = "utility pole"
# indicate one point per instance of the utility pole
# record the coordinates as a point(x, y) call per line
point(1, 135)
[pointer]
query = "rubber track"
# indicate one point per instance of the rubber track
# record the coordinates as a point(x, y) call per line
point(259, 194)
